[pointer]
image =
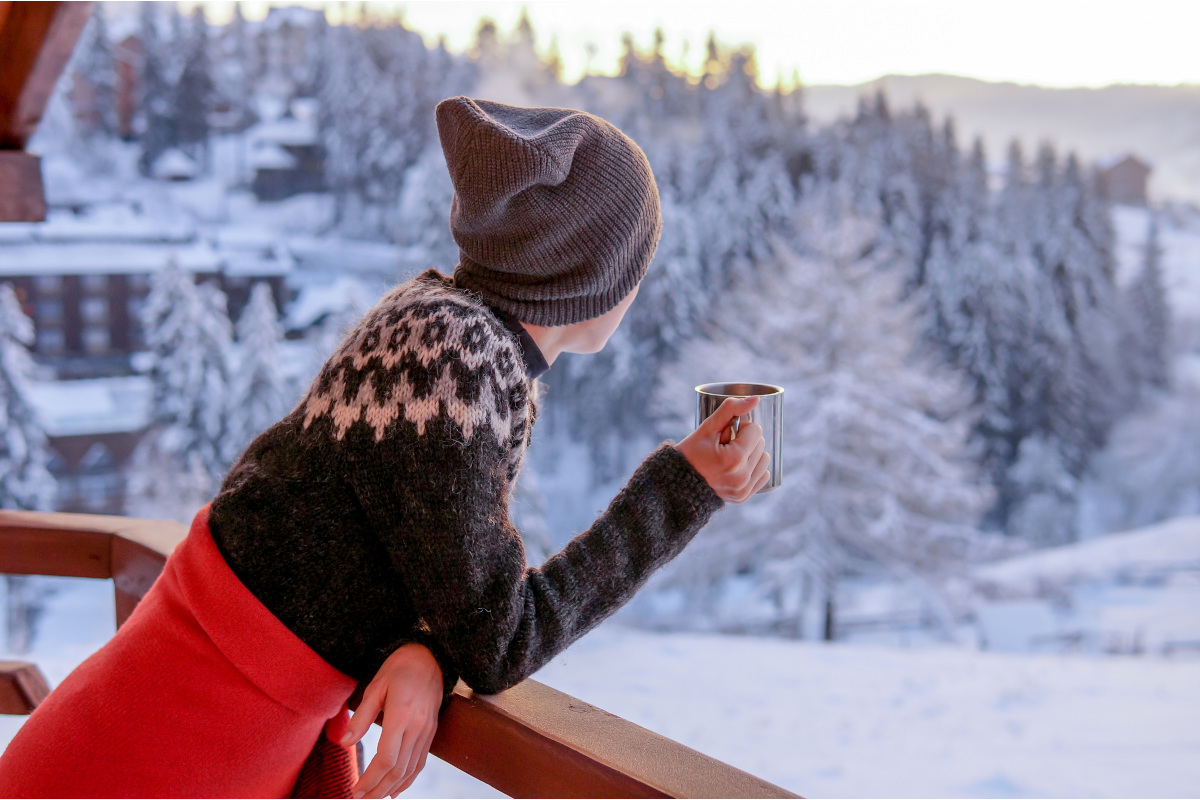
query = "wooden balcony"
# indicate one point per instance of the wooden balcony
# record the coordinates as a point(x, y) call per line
point(530, 741)
point(36, 40)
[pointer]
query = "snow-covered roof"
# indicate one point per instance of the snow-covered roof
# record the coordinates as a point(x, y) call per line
point(315, 301)
point(346, 255)
point(104, 259)
point(245, 237)
point(270, 98)
point(102, 223)
point(120, 22)
point(114, 242)
point(173, 164)
point(305, 108)
point(277, 261)
point(271, 156)
point(296, 16)
point(284, 131)
point(1110, 161)
point(98, 405)
point(18, 232)
point(68, 183)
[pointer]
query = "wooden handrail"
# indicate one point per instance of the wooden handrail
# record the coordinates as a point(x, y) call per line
point(130, 551)
point(530, 741)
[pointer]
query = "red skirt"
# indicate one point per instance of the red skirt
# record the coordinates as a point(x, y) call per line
point(201, 693)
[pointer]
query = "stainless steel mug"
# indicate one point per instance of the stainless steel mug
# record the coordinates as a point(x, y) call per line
point(768, 413)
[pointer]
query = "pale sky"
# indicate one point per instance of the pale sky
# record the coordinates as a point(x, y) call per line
point(1046, 42)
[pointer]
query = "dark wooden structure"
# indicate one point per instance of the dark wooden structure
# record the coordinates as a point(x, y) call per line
point(1123, 179)
point(36, 40)
point(530, 741)
point(87, 322)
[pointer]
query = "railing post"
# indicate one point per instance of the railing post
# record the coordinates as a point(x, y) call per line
point(22, 687)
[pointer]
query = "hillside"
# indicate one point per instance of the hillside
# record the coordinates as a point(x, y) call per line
point(1159, 123)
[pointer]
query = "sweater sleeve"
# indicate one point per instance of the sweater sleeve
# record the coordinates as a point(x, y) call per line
point(496, 620)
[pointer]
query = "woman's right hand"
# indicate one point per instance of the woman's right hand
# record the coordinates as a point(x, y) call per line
point(734, 469)
point(408, 690)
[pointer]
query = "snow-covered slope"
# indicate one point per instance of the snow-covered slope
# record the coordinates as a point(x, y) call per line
point(1138, 556)
point(1135, 592)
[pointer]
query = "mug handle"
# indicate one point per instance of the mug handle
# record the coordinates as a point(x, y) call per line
point(734, 427)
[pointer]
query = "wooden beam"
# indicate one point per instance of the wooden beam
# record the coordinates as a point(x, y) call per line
point(22, 195)
point(36, 40)
point(22, 687)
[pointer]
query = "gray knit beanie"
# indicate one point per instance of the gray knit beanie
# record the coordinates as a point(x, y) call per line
point(555, 211)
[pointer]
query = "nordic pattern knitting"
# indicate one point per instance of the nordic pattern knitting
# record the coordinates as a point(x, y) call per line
point(359, 544)
point(423, 351)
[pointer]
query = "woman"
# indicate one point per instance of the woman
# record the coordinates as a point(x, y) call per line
point(370, 525)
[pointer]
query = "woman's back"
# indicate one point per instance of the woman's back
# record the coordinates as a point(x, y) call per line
point(429, 375)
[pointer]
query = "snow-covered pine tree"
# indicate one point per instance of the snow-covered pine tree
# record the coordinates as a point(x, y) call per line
point(877, 474)
point(157, 124)
point(423, 226)
point(333, 83)
point(1151, 313)
point(96, 79)
point(1150, 469)
point(235, 74)
point(181, 460)
point(347, 95)
point(258, 396)
point(378, 87)
point(193, 94)
point(25, 479)
point(877, 154)
point(1088, 382)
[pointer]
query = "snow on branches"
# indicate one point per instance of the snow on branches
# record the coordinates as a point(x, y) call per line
point(25, 480)
point(877, 472)
point(183, 457)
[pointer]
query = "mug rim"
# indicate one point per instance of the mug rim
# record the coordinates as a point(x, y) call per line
point(704, 389)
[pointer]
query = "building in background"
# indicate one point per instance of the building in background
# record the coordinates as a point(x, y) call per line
point(285, 153)
point(83, 280)
point(92, 427)
point(1123, 179)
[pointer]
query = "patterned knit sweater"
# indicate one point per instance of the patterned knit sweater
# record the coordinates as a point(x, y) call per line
point(376, 513)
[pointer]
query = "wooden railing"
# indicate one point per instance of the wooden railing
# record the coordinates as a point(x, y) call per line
point(530, 741)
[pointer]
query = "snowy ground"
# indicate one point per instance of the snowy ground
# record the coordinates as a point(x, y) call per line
point(1131, 592)
point(840, 720)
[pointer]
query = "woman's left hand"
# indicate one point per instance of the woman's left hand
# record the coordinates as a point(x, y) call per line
point(408, 690)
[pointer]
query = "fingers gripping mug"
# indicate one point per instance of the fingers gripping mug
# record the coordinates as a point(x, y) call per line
point(768, 413)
